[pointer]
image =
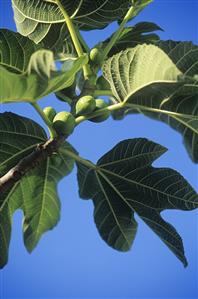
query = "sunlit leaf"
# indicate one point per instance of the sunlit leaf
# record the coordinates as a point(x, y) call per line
point(28, 74)
point(43, 22)
point(159, 80)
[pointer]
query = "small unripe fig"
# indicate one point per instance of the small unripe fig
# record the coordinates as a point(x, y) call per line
point(100, 104)
point(85, 105)
point(195, 77)
point(64, 123)
point(95, 55)
point(50, 113)
point(102, 83)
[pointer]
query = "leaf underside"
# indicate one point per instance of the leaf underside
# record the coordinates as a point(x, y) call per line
point(159, 82)
point(27, 72)
point(87, 14)
point(44, 23)
point(124, 183)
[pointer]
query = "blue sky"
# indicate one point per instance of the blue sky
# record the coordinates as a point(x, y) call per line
point(72, 261)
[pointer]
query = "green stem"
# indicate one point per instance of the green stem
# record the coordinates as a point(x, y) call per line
point(121, 105)
point(52, 132)
point(156, 110)
point(81, 39)
point(104, 92)
point(86, 69)
point(79, 159)
point(99, 112)
point(117, 34)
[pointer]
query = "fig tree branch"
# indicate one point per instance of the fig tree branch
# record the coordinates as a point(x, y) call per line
point(31, 161)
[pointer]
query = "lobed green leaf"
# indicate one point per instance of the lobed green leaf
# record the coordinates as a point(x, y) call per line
point(123, 183)
point(36, 194)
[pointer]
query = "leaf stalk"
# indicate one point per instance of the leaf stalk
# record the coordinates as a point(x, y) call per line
point(117, 34)
point(52, 132)
point(102, 92)
point(99, 112)
point(79, 159)
point(74, 36)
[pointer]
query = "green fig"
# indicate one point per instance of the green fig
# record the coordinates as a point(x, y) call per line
point(101, 104)
point(85, 105)
point(195, 77)
point(64, 123)
point(50, 113)
point(95, 55)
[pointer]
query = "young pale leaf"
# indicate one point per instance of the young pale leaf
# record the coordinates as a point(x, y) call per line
point(15, 51)
point(137, 68)
point(150, 79)
point(36, 194)
point(30, 75)
point(124, 182)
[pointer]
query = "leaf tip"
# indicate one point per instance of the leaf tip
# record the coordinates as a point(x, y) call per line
point(2, 265)
point(185, 262)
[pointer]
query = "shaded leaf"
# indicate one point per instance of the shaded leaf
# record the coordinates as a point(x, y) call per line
point(132, 36)
point(185, 56)
point(15, 51)
point(115, 220)
point(166, 232)
point(36, 194)
point(124, 182)
point(186, 126)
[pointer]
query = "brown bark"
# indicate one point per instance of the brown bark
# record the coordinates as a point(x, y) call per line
point(41, 152)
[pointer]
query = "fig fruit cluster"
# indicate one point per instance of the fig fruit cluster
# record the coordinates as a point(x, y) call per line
point(87, 105)
point(62, 122)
